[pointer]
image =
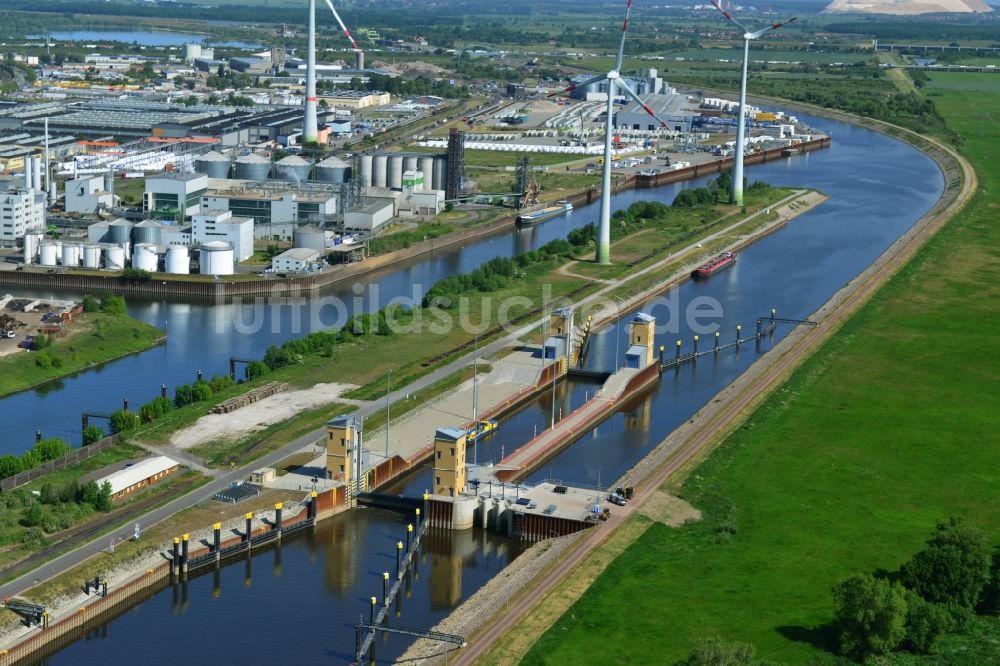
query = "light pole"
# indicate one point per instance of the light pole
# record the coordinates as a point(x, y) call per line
point(388, 379)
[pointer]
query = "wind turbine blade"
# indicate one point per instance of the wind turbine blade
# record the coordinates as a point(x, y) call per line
point(621, 45)
point(582, 84)
point(638, 100)
point(342, 26)
point(729, 17)
point(764, 31)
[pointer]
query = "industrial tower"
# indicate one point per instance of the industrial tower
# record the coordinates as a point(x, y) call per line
point(310, 126)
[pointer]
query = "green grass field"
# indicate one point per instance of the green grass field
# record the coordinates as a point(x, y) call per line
point(885, 431)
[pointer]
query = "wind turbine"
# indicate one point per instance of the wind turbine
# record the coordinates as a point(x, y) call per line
point(737, 191)
point(358, 62)
point(614, 81)
point(310, 126)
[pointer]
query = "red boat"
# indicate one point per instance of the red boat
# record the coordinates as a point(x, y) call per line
point(724, 260)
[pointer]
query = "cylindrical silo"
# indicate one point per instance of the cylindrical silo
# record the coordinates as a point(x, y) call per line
point(440, 172)
point(91, 256)
point(147, 231)
point(177, 260)
point(216, 258)
point(114, 257)
point(380, 170)
point(310, 237)
point(70, 254)
point(410, 163)
point(365, 167)
point(48, 253)
point(395, 176)
point(144, 257)
point(213, 165)
point(427, 166)
point(292, 168)
point(120, 232)
point(36, 179)
point(32, 241)
point(334, 170)
point(252, 167)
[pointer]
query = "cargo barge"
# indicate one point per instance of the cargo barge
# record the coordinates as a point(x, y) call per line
point(710, 268)
point(528, 219)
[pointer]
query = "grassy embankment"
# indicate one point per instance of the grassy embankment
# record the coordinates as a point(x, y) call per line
point(94, 338)
point(405, 354)
point(885, 431)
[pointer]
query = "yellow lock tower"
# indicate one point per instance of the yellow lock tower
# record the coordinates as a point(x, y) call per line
point(640, 341)
point(449, 461)
point(343, 440)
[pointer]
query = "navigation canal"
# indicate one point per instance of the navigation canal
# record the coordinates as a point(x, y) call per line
point(879, 187)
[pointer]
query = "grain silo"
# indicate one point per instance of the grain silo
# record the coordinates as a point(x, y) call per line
point(147, 231)
point(427, 166)
point(213, 165)
point(293, 168)
point(395, 177)
point(335, 170)
point(311, 237)
point(91, 256)
point(120, 231)
point(440, 179)
point(410, 163)
point(365, 168)
point(216, 258)
point(252, 167)
point(144, 257)
point(177, 260)
point(32, 241)
point(380, 170)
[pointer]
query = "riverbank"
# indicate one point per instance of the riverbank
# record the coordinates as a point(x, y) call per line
point(677, 454)
point(95, 338)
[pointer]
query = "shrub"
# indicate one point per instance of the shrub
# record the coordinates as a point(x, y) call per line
point(925, 622)
point(220, 383)
point(113, 305)
point(717, 652)
point(256, 369)
point(9, 465)
point(92, 435)
point(90, 304)
point(201, 391)
point(124, 420)
point(41, 342)
point(183, 395)
point(50, 449)
point(870, 615)
point(954, 568)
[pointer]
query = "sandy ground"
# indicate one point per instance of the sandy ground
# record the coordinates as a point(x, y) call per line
point(257, 416)
point(669, 510)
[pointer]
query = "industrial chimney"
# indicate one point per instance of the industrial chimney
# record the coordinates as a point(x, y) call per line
point(310, 128)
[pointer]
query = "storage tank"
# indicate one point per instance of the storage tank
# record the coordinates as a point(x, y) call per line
point(427, 166)
point(70, 255)
point(365, 168)
point(395, 176)
point(120, 232)
point(32, 241)
point(177, 260)
point(147, 231)
point(48, 253)
point(91, 256)
point(410, 163)
point(144, 257)
point(213, 165)
point(380, 168)
point(216, 258)
point(310, 237)
point(440, 178)
point(252, 167)
point(335, 170)
point(114, 257)
point(293, 168)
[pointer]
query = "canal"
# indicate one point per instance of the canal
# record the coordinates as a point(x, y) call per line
point(879, 187)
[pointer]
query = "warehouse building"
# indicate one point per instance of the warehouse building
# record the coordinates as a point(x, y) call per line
point(174, 195)
point(674, 109)
point(295, 260)
point(371, 217)
point(139, 475)
point(86, 194)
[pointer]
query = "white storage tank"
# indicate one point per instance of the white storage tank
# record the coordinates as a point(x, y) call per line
point(147, 231)
point(114, 258)
point(335, 170)
point(365, 168)
point(32, 242)
point(380, 167)
point(216, 258)
point(252, 167)
point(48, 253)
point(293, 168)
point(213, 165)
point(70, 255)
point(395, 171)
point(144, 257)
point(120, 232)
point(91, 256)
point(177, 260)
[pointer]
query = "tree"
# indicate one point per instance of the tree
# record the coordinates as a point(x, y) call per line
point(717, 652)
point(104, 503)
point(925, 622)
point(124, 420)
point(90, 304)
point(50, 449)
point(954, 568)
point(34, 516)
point(9, 465)
point(113, 305)
point(41, 341)
point(870, 615)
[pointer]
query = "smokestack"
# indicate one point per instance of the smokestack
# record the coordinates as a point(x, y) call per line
point(29, 169)
point(310, 127)
point(53, 194)
point(48, 172)
point(36, 179)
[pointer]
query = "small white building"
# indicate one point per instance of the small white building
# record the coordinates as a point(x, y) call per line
point(21, 211)
point(172, 194)
point(220, 225)
point(371, 217)
point(138, 475)
point(86, 194)
point(295, 260)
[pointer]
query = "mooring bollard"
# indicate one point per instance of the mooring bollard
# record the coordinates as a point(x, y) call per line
point(277, 518)
point(385, 588)
point(217, 538)
point(184, 552)
point(678, 354)
point(372, 620)
point(249, 518)
point(409, 531)
point(163, 390)
point(696, 346)
point(661, 354)
point(399, 558)
point(739, 334)
point(418, 515)
point(716, 341)
point(125, 404)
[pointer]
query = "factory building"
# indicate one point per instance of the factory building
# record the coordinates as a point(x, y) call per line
point(352, 99)
point(139, 475)
point(175, 195)
point(86, 194)
point(250, 65)
point(295, 260)
point(21, 211)
point(674, 109)
point(269, 203)
point(371, 217)
point(647, 82)
point(219, 225)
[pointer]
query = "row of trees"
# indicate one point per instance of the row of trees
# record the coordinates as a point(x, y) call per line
point(936, 591)
point(42, 452)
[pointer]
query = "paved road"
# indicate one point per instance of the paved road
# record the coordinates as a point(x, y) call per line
point(223, 479)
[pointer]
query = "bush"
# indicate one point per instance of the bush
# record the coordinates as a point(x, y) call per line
point(870, 615)
point(954, 568)
point(34, 516)
point(717, 652)
point(220, 383)
point(155, 408)
point(124, 420)
point(113, 305)
point(183, 395)
point(136, 275)
point(41, 342)
point(201, 391)
point(50, 449)
point(256, 369)
point(925, 622)
point(92, 435)
point(90, 304)
point(9, 465)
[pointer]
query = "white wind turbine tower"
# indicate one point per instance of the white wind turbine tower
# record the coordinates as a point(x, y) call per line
point(347, 33)
point(614, 81)
point(737, 191)
point(310, 126)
